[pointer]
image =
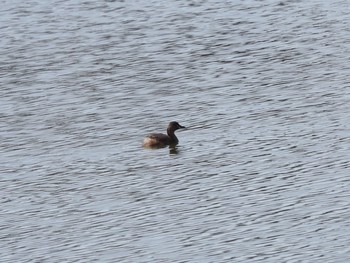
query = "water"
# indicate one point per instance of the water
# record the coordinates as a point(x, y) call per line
point(260, 175)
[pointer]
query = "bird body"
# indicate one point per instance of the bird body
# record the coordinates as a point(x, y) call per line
point(160, 139)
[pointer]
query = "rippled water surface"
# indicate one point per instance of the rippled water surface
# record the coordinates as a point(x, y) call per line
point(261, 174)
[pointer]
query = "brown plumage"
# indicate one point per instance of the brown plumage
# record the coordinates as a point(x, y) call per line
point(160, 139)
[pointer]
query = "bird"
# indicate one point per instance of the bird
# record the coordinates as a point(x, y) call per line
point(157, 140)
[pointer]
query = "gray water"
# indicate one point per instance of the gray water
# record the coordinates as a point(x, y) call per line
point(261, 174)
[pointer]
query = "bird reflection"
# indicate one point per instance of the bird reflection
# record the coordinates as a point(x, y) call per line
point(173, 149)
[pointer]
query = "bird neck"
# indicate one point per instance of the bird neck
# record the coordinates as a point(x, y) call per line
point(171, 134)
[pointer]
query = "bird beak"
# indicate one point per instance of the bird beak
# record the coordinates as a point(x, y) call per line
point(181, 127)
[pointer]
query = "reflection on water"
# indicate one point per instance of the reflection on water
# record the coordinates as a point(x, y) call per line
point(262, 175)
point(173, 150)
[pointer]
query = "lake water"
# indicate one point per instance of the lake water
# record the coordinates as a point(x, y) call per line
point(261, 174)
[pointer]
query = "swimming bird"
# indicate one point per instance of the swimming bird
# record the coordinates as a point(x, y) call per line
point(156, 140)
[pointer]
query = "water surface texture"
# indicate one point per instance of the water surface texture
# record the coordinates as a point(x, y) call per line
point(261, 174)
